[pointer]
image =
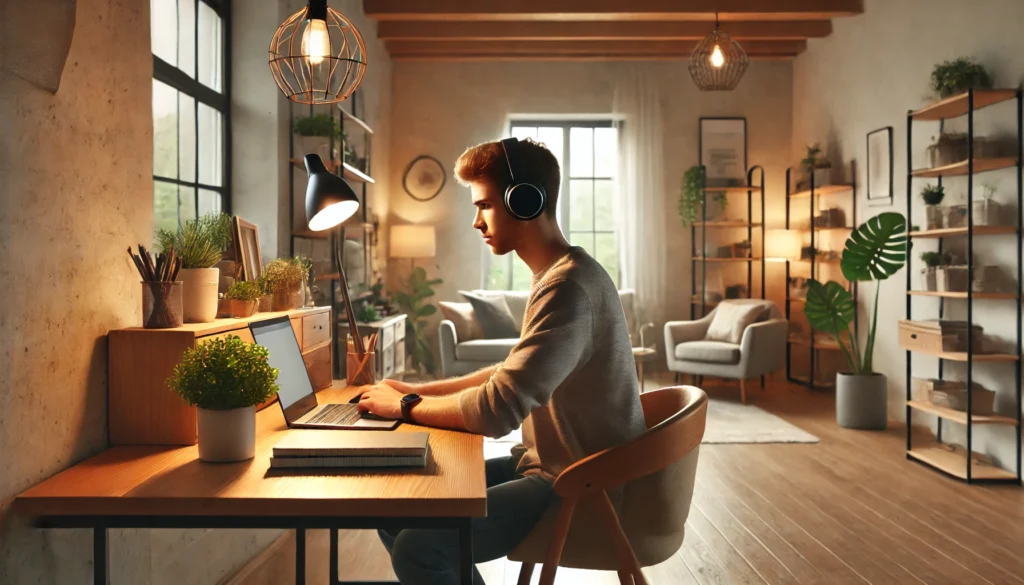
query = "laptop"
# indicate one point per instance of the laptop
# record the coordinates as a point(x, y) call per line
point(295, 391)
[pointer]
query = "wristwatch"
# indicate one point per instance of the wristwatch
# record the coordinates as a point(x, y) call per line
point(409, 401)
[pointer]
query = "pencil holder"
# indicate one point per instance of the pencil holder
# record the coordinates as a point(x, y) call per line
point(161, 305)
point(360, 370)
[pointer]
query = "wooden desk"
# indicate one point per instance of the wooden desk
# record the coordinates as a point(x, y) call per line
point(168, 487)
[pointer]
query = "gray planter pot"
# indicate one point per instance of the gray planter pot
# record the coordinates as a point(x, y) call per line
point(227, 435)
point(861, 402)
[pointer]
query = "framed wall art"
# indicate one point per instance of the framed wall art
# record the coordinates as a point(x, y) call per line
point(722, 146)
point(879, 170)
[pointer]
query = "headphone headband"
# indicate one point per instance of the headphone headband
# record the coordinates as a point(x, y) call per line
point(508, 146)
point(523, 200)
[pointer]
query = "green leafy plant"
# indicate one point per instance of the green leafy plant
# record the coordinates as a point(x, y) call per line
point(413, 302)
point(933, 194)
point(366, 313)
point(283, 274)
point(224, 374)
point(317, 125)
point(244, 290)
point(815, 159)
point(199, 242)
point(931, 259)
point(691, 196)
point(875, 251)
point(959, 75)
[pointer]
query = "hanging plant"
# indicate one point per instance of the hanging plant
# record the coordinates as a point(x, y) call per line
point(691, 196)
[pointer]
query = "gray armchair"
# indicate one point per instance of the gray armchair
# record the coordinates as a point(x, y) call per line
point(762, 350)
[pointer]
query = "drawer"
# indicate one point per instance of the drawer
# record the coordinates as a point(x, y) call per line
point(387, 335)
point(316, 329)
point(400, 357)
point(318, 364)
point(244, 334)
point(296, 323)
point(389, 362)
point(400, 330)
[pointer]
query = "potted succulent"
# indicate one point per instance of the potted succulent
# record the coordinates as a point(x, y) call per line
point(959, 75)
point(200, 243)
point(691, 198)
point(243, 298)
point(875, 251)
point(932, 261)
point(285, 279)
point(933, 196)
point(317, 134)
point(225, 379)
point(815, 164)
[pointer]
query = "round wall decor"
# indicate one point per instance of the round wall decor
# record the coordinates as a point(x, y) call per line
point(424, 178)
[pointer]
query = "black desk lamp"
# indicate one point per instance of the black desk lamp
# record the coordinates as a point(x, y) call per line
point(329, 202)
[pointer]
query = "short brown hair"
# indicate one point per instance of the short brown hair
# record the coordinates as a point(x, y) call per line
point(486, 163)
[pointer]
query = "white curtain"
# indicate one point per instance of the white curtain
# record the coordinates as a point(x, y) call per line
point(640, 197)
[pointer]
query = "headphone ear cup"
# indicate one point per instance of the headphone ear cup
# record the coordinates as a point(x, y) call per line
point(525, 201)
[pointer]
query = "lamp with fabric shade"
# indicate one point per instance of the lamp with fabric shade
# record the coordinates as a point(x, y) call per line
point(782, 245)
point(413, 241)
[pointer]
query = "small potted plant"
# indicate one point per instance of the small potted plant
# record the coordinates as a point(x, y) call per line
point(285, 279)
point(933, 196)
point(815, 164)
point(691, 199)
point(225, 379)
point(932, 261)
point(951, 275)
point(317, 134)
point(986, 210)
point(200, 243)
point(266, 303)
point(243, 298)
point(950, 78)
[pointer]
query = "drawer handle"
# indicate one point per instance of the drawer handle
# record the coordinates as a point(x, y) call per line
point(913, 335)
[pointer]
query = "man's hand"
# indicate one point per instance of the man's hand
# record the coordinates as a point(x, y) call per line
point(382, 400)
point(403, 387)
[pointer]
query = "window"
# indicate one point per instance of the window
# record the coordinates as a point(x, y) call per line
point(190, 110)
point(587, 153)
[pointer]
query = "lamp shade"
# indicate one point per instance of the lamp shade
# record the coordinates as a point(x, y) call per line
point(718, 62)
point(329, 199)
point(783, 244)
point(413, 241)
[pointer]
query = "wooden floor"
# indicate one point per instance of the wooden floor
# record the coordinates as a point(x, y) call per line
point(850, 509)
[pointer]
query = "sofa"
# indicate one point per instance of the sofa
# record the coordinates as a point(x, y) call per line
point(460, 357)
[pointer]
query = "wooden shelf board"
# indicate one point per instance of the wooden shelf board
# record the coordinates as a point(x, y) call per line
point(956, 105)
point(953, 460)
point(735, 189)
point(959, 416)
point(822, 190)
point(961, 356)
point(961, 295)
point(358, 121)
point(703, 259)
point(707, 304)
point(979, 230)
point(797, 300)
point(311, 234)
point(729, 223)
point(959, 169)
point(821, 229)
point(350, 173)
point(328, 276)
point(828, 345)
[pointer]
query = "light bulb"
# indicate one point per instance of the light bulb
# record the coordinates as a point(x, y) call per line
point(717, 58)
point(316, 41)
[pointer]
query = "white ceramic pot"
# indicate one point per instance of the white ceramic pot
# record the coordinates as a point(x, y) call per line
point(314, 145)
point(199, 294)
point(822, 177)
point(861, 401)
point(928, 278)
point(933, 217)
point(227, 435)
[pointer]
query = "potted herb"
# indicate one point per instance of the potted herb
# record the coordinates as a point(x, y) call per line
point(959, 75)
point(243, 298)
point(691, 198)
point(932, 261)
point(933, 196)
point(817, 166)
point(225, 379)
point(266, 303)
point(875, 251)
point(317, 134)
point(200, 243)
point(285, 279)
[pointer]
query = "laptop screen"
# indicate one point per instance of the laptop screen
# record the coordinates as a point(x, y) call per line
point(295, 391)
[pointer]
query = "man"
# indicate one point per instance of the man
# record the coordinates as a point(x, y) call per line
point(570, 381)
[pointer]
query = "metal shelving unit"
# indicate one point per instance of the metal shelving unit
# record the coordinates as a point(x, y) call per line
point(750, 189)
point(952, 460)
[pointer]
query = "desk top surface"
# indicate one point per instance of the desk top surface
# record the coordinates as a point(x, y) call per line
point(171, 481)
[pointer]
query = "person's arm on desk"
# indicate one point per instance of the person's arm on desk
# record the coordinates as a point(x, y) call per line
point(433, 411)
point(447, 386)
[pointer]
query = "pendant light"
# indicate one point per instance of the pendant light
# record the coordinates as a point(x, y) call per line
point(317, 56)
point(718, 62)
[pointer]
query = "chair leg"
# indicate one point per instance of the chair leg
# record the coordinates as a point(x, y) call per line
point(762, 382)
point(677, 378)
point(743, 391)
point(525, 574)
point(558, 536)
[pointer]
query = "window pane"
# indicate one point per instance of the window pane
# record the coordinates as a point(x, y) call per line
point(165, 206)
point(553, 138)
point(186, 204)
point(581, 205)
point(187, 37)
point(581, 152)
point(163, 24)
point(210, 46)
point(211, 151)
point(607, 254)
point(498, 276)
point(604, 206)
point(186, 137)
point(605, 145)
point(209, 202)
point(584, 240)
point(165, 130)
point(522, 132)
point(522, 278)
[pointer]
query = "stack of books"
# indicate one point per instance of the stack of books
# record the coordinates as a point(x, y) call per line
point(350, 449)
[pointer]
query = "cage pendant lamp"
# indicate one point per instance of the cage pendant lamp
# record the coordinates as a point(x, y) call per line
point(317, 55)
point(718, 62)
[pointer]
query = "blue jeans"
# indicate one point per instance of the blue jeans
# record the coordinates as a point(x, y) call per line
point(514, 505)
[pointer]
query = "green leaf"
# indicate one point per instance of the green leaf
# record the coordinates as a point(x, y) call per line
point(829, 306)
point(877, 249)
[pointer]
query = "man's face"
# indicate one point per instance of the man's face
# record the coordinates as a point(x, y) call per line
point(499, 229)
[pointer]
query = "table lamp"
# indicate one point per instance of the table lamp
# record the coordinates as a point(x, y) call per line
point(329, 202)
point(413, 241)
point(783, 245)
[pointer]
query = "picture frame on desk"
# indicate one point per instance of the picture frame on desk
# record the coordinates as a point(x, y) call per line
point(247, 248)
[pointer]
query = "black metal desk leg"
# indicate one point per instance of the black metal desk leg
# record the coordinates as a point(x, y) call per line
point(100, 556)
point(466, 552)
point(334, 557)
point(300, 556)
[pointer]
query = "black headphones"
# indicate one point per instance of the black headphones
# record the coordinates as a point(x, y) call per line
point(524, 201)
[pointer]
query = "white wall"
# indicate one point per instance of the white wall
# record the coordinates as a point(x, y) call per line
point(868, 74)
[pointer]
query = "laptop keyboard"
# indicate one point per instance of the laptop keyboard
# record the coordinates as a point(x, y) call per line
point(336, 414)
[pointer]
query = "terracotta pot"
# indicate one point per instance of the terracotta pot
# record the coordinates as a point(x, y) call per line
point(199, 294)
point(227, 435)
point(241, 309)
point(266, 303)
point(289, 298)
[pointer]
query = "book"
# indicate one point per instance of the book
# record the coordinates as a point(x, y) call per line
point(341, 444)
point(366, 461)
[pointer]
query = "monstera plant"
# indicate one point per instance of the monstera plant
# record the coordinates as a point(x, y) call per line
point(875, 251)
point(414, 302)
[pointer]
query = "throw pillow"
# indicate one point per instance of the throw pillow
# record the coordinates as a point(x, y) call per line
point(462, 316)
point(731, 320)
point(493, 315)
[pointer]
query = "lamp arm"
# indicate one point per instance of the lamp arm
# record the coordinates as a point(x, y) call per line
point(357, 340)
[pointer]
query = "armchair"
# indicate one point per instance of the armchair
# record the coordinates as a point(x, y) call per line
point(762, 349)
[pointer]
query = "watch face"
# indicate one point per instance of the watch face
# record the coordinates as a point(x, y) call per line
point(411, 398)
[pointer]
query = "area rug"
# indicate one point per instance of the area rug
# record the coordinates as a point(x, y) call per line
point(732, 422)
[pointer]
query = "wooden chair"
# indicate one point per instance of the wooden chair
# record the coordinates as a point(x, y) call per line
point(625, 507)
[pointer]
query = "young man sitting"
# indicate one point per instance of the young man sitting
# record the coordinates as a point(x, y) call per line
point(570, 381)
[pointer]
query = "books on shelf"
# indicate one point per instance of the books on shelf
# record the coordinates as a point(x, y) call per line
point(350, 449)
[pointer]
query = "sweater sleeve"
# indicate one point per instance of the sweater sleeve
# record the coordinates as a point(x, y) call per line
point(557, 338)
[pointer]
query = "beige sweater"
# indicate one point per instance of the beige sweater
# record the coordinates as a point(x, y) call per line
point(571, 380)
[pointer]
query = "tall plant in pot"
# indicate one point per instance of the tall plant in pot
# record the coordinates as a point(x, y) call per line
point(817, 165)
point(875, 251)
point(225, 379)
point(414, 302)
point(200, 243)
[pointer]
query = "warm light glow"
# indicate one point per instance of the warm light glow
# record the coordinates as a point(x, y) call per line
point(413, 241)
point(783, 244)
point(316, 41)
point(333, 215)
point(717, 58)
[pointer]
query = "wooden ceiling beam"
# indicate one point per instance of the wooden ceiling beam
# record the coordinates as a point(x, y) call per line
point(616, 10)
point(590, 49)
point(597, 31)
point(582, 57)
